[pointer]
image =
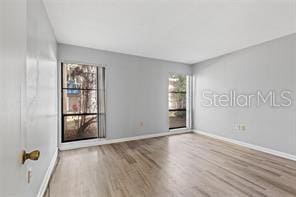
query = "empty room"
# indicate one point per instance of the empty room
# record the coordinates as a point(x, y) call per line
point(148, 98)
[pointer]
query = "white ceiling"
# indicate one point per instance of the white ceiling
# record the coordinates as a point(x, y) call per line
point(185, 31)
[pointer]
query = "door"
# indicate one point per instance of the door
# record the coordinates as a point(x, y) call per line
point(12, 69)
point(28, 96)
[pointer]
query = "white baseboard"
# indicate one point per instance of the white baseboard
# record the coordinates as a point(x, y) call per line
point(97, 142)
point(48, 174)
point(251, 146)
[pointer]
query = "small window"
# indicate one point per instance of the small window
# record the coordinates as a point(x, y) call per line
point(177, 100)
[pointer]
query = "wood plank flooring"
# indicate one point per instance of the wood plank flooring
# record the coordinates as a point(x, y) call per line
point(180, 165)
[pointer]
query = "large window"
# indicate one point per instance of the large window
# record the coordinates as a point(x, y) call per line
point(177, 101)
point(83, 102)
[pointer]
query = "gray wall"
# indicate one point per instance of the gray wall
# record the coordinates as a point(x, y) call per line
point(136, 89)
point(268, 66)
point(28, 101)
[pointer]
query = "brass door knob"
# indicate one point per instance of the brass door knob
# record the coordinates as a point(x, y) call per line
point(34, 155)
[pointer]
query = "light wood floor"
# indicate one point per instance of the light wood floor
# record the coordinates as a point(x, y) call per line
point(180, 165)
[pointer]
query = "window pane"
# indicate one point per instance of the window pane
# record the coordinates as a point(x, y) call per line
point(177, 83)
point(177, 119)
point(101, 90)
point(79, 76)
point(177, 100)
point(80, 127)
point(79, 101)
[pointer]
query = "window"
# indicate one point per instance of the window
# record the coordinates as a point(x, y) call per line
point(178, 86)
point(83, 102)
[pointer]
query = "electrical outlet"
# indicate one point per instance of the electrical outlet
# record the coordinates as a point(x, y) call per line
point(239, 127)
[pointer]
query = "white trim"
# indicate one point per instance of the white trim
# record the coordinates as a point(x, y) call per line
point(251, 146)
point(82, 63)
point(48, 174)
point(88, 143)
point(189, 101)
